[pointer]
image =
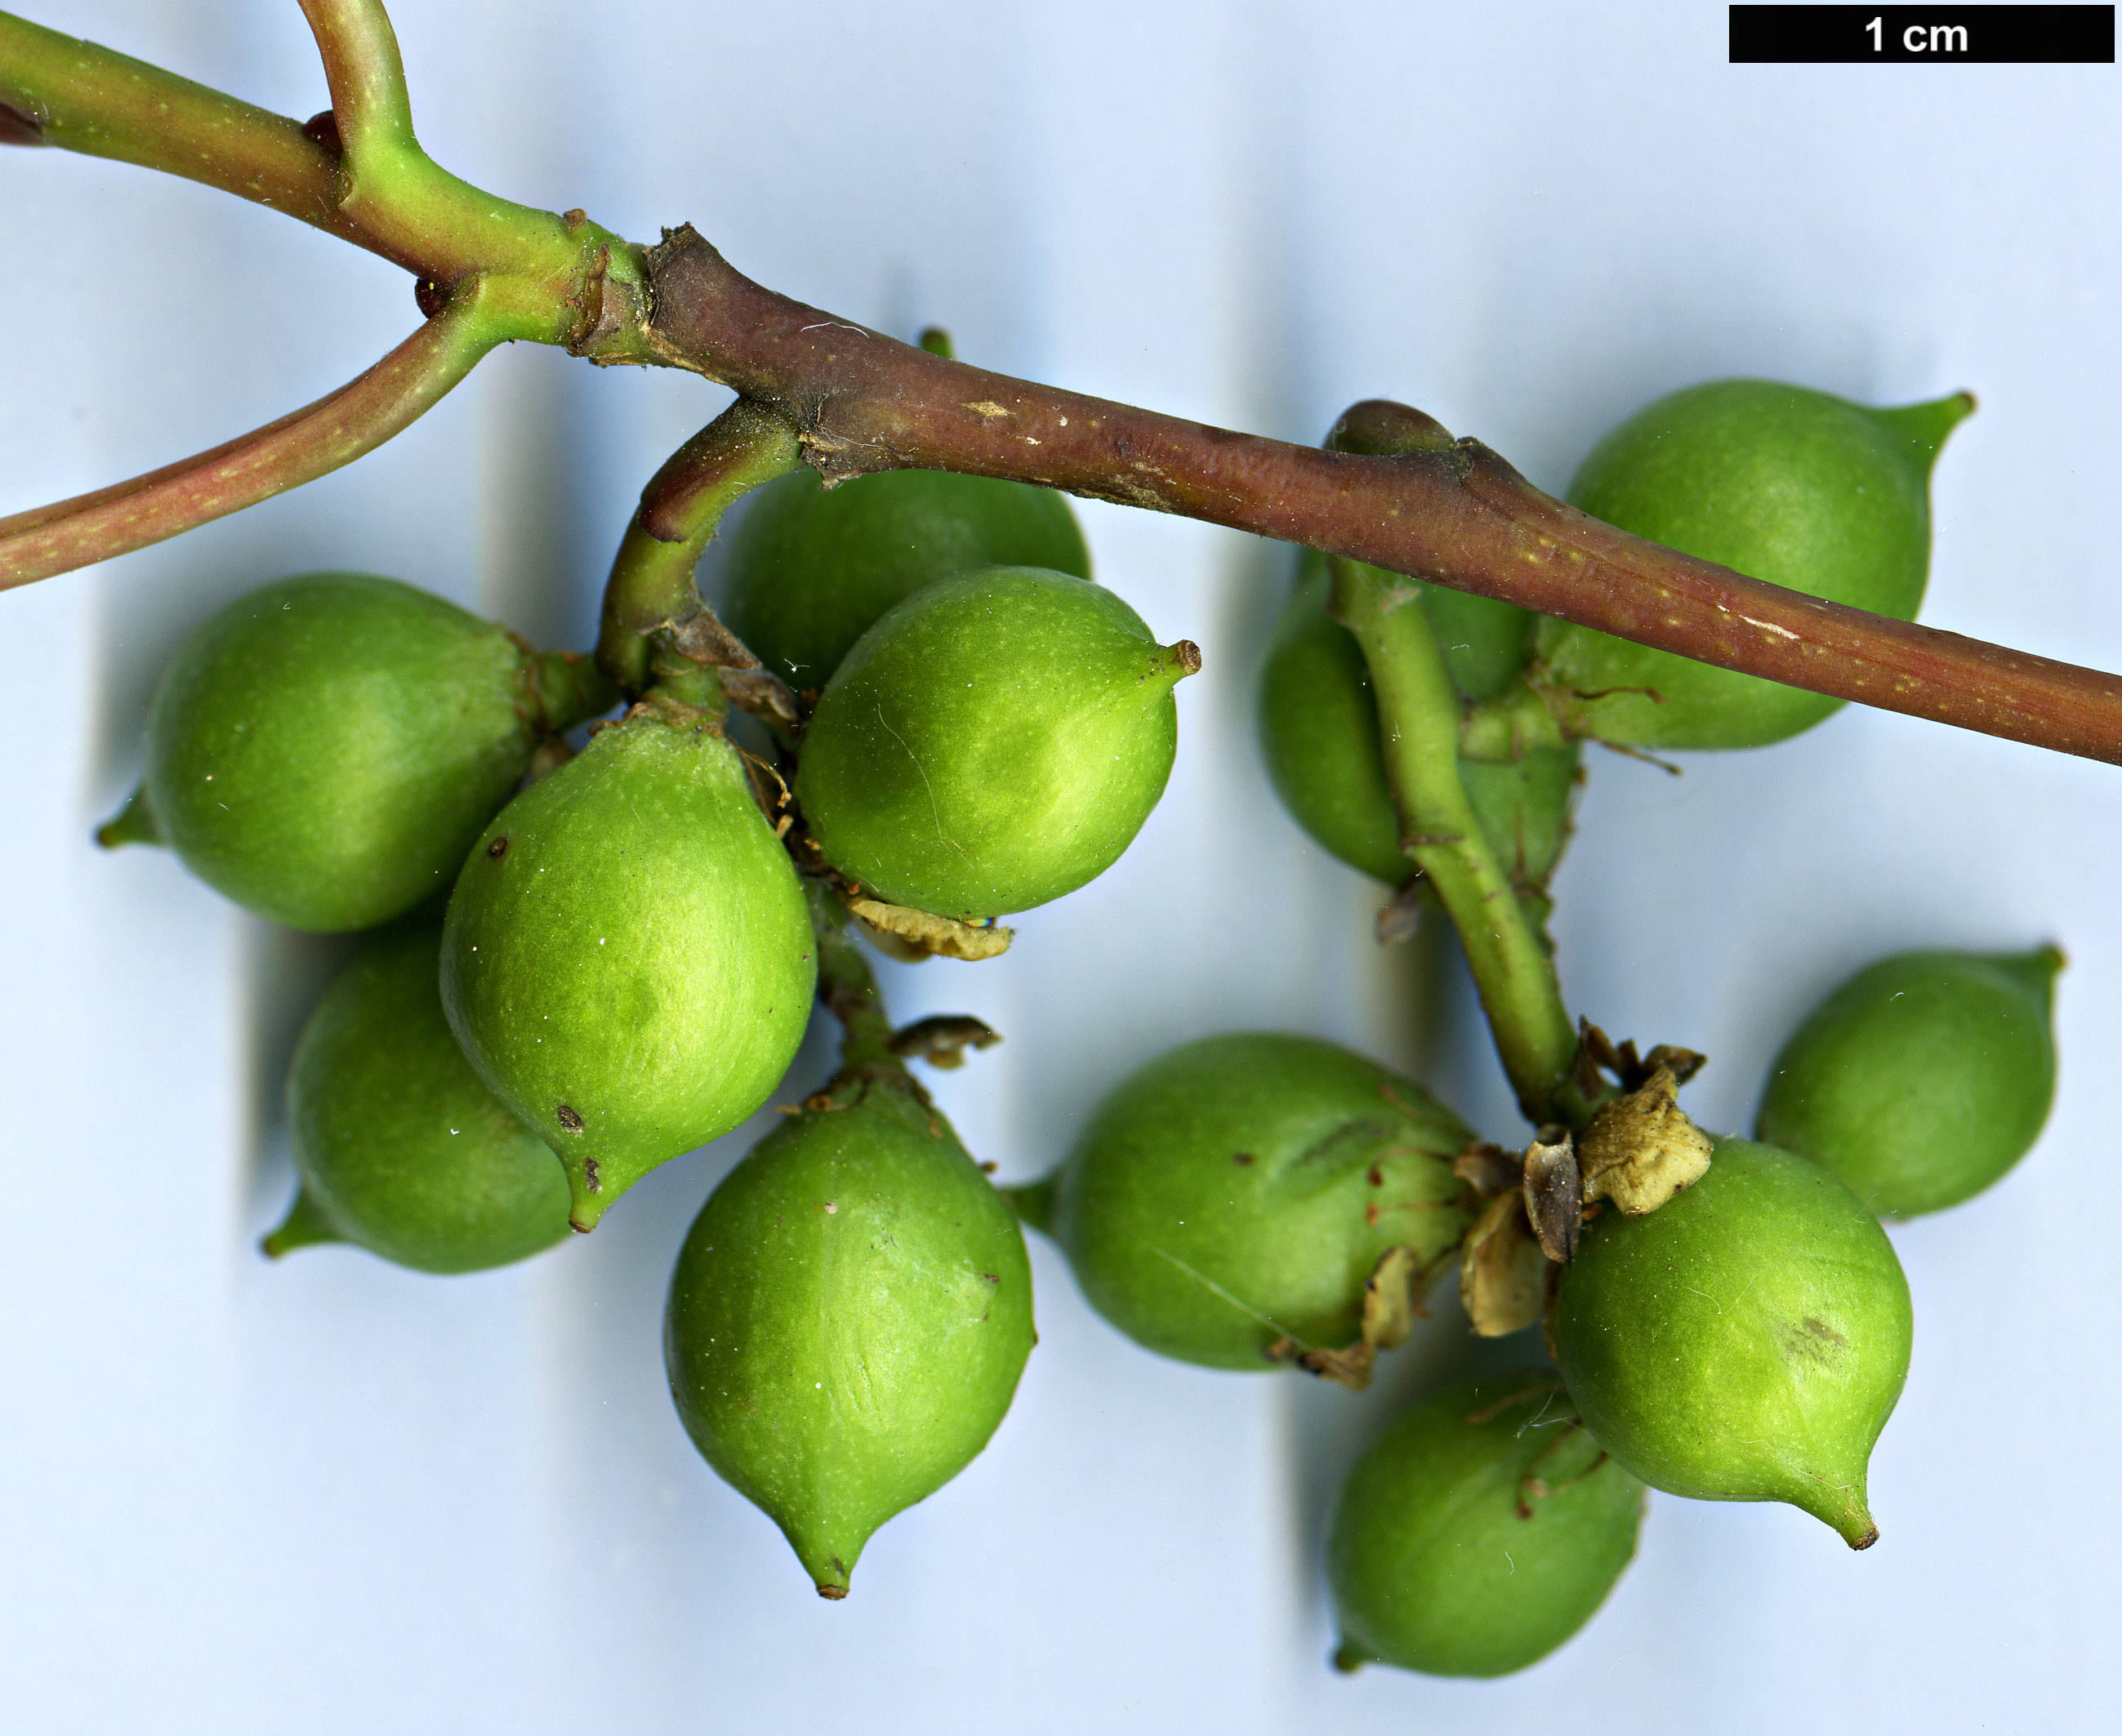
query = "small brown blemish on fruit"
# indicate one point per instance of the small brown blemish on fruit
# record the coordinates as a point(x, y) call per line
point(569, 1118)
point(1813, 1341)
point(499, 847)
point(590, 1176)
point(1242, 1157)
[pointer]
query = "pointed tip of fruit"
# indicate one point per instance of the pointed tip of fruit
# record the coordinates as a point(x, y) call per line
point(1836, 1495)
point(1348, 1660)
point(1925, 426)
point(134, 824)
point(304, 1226)
point(2031, 973)
point(1852, 1522)
point(2038, 969)
point(1033, 1203)
point(831, 1574)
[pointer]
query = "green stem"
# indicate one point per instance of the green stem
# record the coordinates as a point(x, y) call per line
point(1418, 730)
point(569, 689)
point(651, 588)
point(577, 284)
point(371, 105)
point(591, 287)
point(83, 97)
point(1502, 730)
point(847, 988)
point(314, 442)
point(677, 678)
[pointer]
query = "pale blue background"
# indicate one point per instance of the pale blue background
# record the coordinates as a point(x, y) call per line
point(332, 1496)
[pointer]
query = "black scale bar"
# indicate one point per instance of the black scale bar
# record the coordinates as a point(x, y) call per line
point(1940, 35)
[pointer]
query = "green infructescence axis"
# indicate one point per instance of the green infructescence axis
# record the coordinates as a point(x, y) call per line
point(1418, 723)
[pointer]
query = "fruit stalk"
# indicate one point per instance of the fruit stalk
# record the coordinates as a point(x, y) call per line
point(651, 587)
point(566, 688)
point(848, 989)
point(1418, 730)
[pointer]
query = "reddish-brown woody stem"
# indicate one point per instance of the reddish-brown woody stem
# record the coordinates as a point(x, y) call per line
point(335, 431)
point(1457, 516)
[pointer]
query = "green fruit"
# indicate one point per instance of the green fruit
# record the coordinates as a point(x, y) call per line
point(994, 741)
point(1240, 1191)
point(810, 568)
point(1922, 1079)
point(1744, 1342)
point(1802, 489)
point(628, 958)
point(1480, 1534)
point(1319, 732)
point(848, 1320)
point(324, 750)
point(400, 1148)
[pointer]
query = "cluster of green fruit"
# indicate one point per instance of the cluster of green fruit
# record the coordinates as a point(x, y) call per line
point(1728, 1320)
point(610, 956)
point(1254, 1199)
